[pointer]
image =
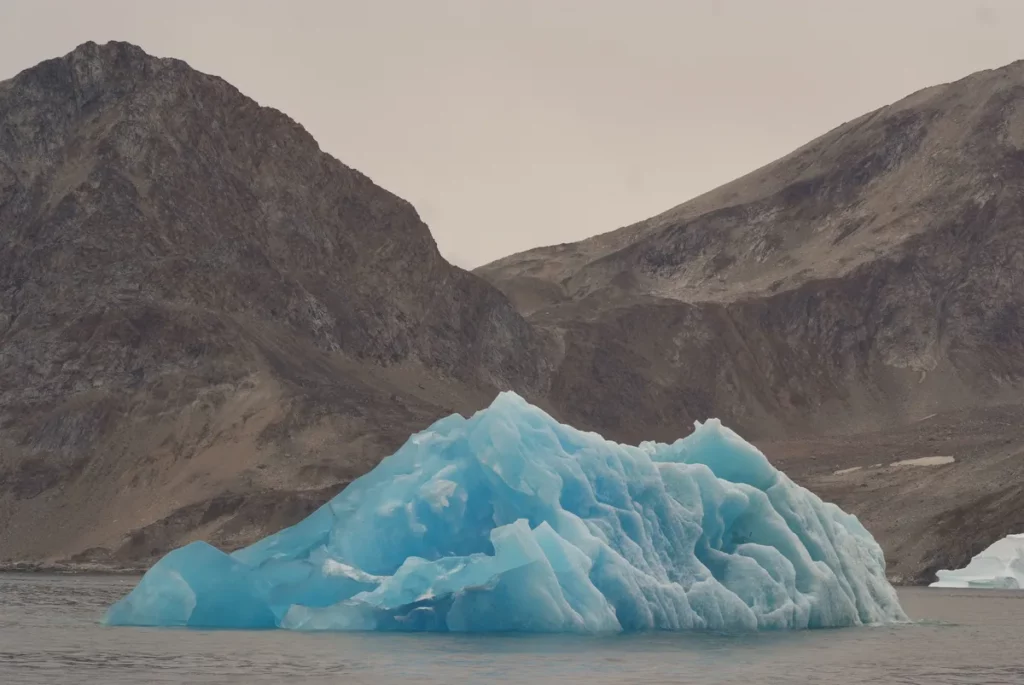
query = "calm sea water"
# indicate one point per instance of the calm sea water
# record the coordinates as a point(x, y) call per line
point(49, 634)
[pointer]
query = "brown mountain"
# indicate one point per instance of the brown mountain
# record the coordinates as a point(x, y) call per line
point(827, 305)
point(207, 325)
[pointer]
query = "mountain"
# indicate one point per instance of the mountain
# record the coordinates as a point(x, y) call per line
point(207, 325)
point(855, 302)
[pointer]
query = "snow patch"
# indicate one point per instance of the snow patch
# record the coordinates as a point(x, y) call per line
point(925, 461)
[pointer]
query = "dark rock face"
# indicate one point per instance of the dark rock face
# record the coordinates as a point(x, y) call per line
point(194, 299)
point(867, 280)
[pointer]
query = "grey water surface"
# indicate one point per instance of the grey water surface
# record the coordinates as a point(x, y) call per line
point(49, 633)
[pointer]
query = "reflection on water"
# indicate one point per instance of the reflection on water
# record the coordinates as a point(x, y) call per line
point(49, 634)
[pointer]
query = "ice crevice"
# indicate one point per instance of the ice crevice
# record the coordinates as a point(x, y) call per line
point(511, 521)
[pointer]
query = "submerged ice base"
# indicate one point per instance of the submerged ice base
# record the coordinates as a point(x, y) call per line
point(999, 566)
point(510, 521)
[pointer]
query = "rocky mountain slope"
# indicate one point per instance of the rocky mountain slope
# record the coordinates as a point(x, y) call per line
point(207, 325)
point(824, 305)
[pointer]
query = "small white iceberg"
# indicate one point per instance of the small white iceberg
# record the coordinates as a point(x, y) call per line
point(1000, 566)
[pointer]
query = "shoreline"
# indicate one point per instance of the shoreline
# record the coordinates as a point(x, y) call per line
point(78, 569)
point(70, 569)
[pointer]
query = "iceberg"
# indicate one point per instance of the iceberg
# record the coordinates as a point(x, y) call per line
point(511, 521)
point(999, 566)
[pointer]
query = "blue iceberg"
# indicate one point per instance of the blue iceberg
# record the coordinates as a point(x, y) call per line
point(511, 521)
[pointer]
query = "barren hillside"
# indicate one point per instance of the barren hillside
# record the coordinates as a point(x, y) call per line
point(207, 325)
point(828, 302)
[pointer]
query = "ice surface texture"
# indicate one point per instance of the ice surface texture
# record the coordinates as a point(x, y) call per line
point(510, 521)
point(999, 566)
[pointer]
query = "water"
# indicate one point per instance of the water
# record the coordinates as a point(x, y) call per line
point(49, 634)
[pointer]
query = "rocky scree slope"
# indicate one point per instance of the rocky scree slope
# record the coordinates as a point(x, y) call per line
point(207, 325)
point(832, 299)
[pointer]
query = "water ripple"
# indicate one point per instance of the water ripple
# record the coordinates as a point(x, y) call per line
point(49, 634)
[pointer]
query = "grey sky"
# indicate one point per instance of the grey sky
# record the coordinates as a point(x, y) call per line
point(516, 123)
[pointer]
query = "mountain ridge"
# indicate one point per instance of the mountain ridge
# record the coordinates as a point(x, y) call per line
point(877, 193)
point(713, 200)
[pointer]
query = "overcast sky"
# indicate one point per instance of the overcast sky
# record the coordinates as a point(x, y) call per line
point(516, 123)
